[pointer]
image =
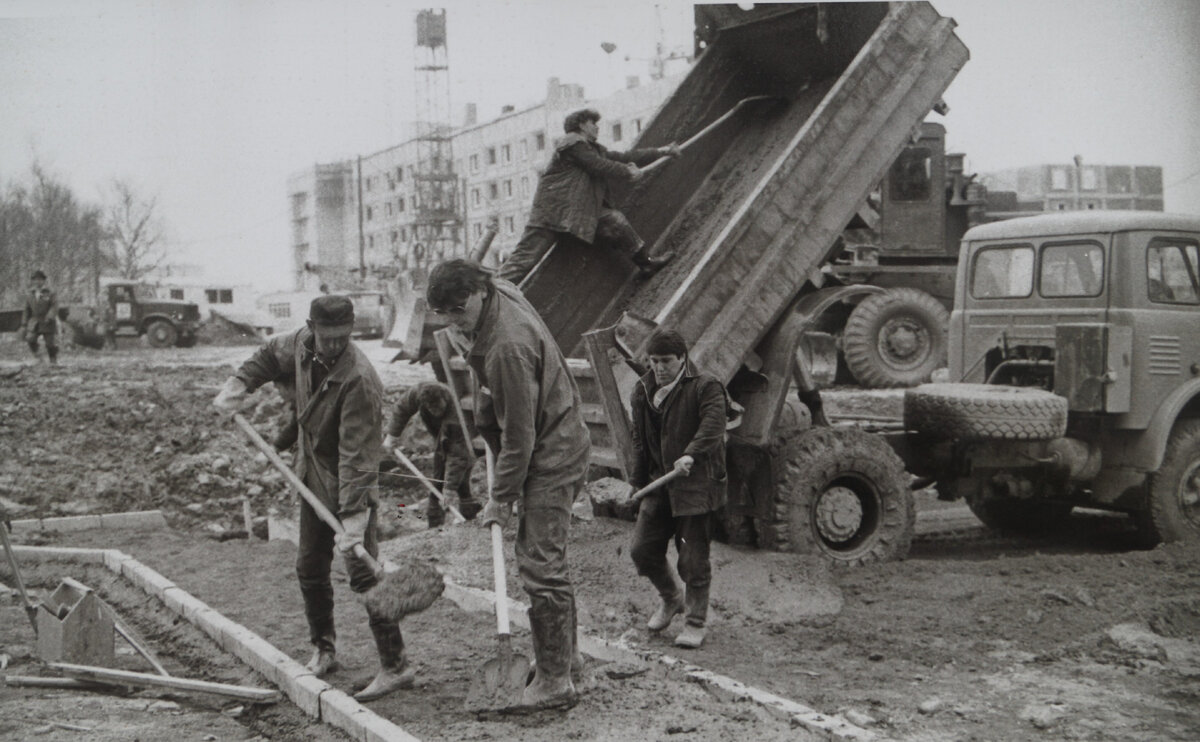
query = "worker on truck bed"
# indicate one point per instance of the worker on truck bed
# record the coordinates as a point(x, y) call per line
point(339, 406)
point(40, 317)
point(678, 424)
point(451, 462)
point(572, 198)
point(530, 414)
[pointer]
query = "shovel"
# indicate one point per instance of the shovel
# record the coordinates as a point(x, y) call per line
point(636, 497)
point(457, 516)
point(30, 608)
point(500, 682)
point(706, 130)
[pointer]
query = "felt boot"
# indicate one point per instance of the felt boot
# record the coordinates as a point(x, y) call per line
point(323, 662)
point(394, 672)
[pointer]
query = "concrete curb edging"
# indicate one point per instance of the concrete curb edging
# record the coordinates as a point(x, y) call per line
point(315, 697)
point(726, 688)
point(139, 520)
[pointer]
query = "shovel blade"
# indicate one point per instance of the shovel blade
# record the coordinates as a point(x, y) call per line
point(499, 683)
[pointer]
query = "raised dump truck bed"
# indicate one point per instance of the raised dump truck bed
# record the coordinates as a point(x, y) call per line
point(754, 208)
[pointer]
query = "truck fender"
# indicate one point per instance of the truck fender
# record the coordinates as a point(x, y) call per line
point(154, 317)
point(1147, 454)
point(811, 307)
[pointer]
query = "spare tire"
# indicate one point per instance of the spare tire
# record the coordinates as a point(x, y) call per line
point(982, 412)
point(896, 339)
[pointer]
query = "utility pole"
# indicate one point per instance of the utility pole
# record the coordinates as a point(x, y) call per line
point(362, 243)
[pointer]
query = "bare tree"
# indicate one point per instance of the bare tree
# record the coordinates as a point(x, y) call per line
point(134, 232)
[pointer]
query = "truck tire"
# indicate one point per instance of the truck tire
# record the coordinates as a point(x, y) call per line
point(1173, 509)
point(1013, 515)
point(161, 334)
point(840, 493)
point(896, 339)
point(982, 412)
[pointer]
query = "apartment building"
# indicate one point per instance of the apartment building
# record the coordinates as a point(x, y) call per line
point(496, 163)
point(1076, 186)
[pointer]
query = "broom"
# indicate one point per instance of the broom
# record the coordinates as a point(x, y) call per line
point(399, 592)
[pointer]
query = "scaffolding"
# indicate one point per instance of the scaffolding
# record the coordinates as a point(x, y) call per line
point(437, 223)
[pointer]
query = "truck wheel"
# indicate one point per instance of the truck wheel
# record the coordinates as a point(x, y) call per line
point(896, 339)
point(1018, 515)
point(841, 493)
point(161, 334)
point(981, 412)
point(1173, 510)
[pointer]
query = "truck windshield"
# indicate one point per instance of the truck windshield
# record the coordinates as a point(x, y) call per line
point(1002, 272)
point(1072, 270)
point(144, 292)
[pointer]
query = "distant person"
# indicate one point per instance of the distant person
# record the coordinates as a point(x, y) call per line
point(339, 405)
point(679, 420)
point(434, 403)
point(572, 198)
point(40, 317)
point(530, 414)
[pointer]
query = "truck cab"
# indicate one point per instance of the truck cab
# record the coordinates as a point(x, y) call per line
point(135, 309)
point(1076, 360)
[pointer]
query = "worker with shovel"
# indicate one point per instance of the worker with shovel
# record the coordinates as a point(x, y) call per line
point(678, 433)
point(572, 198)
point(529, 413)
point(339, 408)
point(434, 402)
point(40, 317)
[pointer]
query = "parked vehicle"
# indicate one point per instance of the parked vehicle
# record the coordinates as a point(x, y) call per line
point(136, 310)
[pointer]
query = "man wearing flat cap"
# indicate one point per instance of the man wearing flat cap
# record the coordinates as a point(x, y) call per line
point(339, 410)
point(40, 317)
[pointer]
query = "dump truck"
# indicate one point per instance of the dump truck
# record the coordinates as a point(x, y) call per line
point(752, 212)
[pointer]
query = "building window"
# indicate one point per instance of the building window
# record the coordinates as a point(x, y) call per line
point(474, 196)
point(177, 294)
point(395, 236)
point(370, 213)
point(616, 132)
point(506, 153)
point(389, 208)
point(540, 141)
point(509, 225)
point(400, 204)
point(1089, 179)
point(474, 163)
point(524, 149)
point(508, 189)
point(218, 296)
point(282, 310)
point(367, 184)
point(491, 155)
point(478, 230)
point(1059, 180)
point(524, 185)
point(493, 191)
point(403, 234)
point(399, 174)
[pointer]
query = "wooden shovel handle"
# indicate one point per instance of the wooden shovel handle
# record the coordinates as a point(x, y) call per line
point(636, 497)
point(312, 500)
point(428, 485)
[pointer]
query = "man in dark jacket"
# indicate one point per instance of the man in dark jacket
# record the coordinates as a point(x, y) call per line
point(434, 402)
point(572, 198)
point(678, 424)
point(40, 316)
point(339, 411)
point(529, 412)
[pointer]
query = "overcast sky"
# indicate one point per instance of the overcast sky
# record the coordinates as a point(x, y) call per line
point(211, 104)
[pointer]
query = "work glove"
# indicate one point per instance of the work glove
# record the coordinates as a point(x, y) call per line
point(391, 442)
point(232, 396)
point(671, 150)
point(354, 530)
point(495, 512)
point(684, 464)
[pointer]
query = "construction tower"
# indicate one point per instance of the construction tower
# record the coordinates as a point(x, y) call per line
point(437, 222)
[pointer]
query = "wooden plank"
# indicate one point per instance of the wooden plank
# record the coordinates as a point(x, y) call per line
point(141, 679)
point(597, 345)
point(446, 351)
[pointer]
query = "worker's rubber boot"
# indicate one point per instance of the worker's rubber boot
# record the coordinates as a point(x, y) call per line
point(324, 662)
point(669, 607)
point(553, 647)
point(394, 672)
point(435, 516)
point(469, 508)
point(646, 264)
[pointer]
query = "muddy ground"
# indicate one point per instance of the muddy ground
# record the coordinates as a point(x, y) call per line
point(971, 638)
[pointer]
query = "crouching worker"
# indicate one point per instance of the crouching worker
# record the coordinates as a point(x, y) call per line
point(451, 461)
point(339, 410)
point(678, 424)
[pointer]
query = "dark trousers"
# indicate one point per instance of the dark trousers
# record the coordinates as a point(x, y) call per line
point(543, 528)
point(655, 528)
point(435, 514)
point(51, 343)
point(313, 563)
point(612, 229)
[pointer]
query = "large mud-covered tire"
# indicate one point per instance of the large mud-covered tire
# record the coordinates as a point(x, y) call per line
point(896, 339)
point(841, 493)
point(161, 334)
point(982, 412)
point(1173, 508)
point(1013, 515)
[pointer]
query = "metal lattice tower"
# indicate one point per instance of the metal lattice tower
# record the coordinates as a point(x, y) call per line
point(437, 222)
